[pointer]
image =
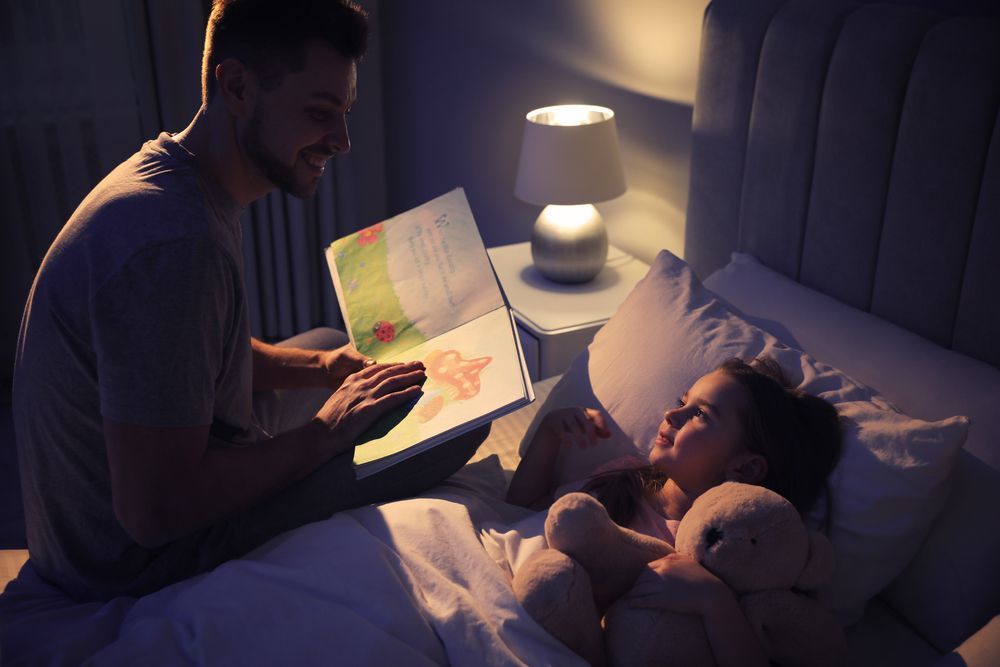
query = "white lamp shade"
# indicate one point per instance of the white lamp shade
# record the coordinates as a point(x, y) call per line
point(569, 155)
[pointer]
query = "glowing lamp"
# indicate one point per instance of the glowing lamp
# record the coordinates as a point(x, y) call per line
point(569, 161)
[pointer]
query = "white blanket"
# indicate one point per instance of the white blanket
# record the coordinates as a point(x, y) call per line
point(405, 583)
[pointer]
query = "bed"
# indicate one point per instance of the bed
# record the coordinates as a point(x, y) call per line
point(843, 218)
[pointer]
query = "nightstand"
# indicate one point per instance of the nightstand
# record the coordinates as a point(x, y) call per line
point(554, 321)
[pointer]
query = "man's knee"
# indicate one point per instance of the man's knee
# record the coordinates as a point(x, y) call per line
point(467, 444)
point(452, 455)
point(320, 338)
point(448, 457)
point(431, 467)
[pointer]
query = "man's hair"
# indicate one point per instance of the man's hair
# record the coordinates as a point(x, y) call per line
point(269, 36)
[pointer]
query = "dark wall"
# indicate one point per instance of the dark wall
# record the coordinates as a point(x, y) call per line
point(459, 77)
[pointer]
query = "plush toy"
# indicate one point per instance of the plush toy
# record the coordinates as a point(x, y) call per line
point(749, 537)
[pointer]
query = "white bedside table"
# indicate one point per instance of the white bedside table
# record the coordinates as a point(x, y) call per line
point(555, 321)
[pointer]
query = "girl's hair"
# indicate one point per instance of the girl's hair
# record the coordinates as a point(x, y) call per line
point(797, 434)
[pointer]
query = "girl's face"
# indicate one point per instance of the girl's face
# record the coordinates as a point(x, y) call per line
point(702, 437)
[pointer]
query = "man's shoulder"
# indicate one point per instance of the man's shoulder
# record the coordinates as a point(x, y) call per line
point(152, 179)
point(154, 197)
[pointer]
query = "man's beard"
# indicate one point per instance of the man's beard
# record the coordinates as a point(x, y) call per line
point(274, 170)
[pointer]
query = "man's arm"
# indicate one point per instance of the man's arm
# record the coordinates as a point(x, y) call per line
point(167, 482)
point(288, 368)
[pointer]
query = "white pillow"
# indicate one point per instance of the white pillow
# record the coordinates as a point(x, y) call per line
point(893, 477)
point(952, 587)
point(670, 331)
point(919, 377)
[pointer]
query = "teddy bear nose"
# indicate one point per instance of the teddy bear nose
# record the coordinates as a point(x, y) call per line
point(712, 535)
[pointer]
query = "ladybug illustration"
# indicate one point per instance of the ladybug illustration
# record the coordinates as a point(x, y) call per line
point(384, 331)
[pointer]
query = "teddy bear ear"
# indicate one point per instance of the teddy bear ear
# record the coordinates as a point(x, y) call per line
point(819, 566)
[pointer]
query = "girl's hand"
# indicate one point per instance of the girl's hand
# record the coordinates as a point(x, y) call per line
point(535, 477)
point(575, 427)
point(680, 584)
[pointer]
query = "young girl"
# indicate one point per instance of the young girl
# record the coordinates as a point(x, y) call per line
point(741, 422)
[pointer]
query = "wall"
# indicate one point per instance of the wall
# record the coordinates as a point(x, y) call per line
point(79, 96)
point(459, 76)
point(85, 84)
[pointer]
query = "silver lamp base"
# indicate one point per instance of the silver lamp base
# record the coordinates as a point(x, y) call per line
point(569, 244)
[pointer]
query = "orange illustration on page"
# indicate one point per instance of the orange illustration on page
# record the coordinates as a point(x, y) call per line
point(450, 379)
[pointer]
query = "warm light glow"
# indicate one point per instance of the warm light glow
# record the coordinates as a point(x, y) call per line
point(570, 114)
point(648, 47)
point(569, 218)
point(569, 155)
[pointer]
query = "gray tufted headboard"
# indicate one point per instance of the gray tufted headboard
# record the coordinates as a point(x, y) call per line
point(856, 149)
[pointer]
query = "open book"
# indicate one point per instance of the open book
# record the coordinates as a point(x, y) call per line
point(420, 286)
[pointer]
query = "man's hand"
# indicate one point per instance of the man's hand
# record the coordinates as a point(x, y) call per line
point(362, 398)
point(339, 363)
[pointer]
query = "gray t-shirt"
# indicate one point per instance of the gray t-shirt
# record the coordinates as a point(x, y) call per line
point(138, 314)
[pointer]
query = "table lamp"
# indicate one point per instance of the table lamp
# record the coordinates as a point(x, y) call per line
point(569, 161)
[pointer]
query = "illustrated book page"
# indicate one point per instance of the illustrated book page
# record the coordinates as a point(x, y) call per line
point(417, 275)
point(420, 286)
point(474, 375)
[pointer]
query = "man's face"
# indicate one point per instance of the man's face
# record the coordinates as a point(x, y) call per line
point(296, 127)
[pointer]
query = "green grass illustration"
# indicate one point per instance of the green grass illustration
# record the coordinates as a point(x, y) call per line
point(368, 293)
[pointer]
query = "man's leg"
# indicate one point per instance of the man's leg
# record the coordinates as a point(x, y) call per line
point(331, 488)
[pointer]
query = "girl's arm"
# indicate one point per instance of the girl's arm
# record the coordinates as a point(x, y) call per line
point(534, 479)
point(729, 633)
point(679, 583)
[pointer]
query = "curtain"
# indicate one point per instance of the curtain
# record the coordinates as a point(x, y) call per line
point(86, 82)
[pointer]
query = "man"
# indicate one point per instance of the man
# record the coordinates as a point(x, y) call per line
point(142, 460)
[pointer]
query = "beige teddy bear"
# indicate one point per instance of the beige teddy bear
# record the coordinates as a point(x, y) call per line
point(748, 536)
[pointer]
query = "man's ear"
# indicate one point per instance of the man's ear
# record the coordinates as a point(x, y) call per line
point(237, 87)
point(747, 468)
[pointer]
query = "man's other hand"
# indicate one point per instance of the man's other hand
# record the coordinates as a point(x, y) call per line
point(339, 363)
point(363, 397)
